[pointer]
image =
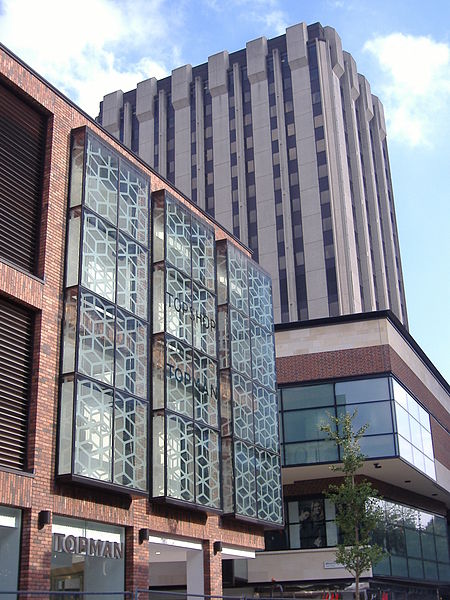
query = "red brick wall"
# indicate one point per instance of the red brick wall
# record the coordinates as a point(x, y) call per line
point(45, 295)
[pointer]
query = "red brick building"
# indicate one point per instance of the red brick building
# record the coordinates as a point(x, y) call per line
point(89, 500)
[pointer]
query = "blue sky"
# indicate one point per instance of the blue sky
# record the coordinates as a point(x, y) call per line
point(90, 47)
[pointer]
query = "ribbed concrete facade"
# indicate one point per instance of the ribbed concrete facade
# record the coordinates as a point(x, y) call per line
point(284, 144)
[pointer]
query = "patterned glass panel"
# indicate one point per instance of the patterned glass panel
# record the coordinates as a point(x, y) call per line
point(240, 343)
point(245, 482)
point(131, 355)
point(130, 442)
point(268, 486)
point(243, 407)
point(204, 321)
point(65, 427)
point(266, 418)
point(180, 458)
point(207, 472)
point(205, 389)
point(223, 323)
point(96, 338)
point(133, 204)
point(93, 431)
point(99, 257)
point(132, 277)
point(178, 237)
point(158, 455)
point(237, 279)
point(203, 255)
point(227, 475)
point(101, 180)
point(179, 378)
point(260, 294)
point(178, 305)
point(263, 357)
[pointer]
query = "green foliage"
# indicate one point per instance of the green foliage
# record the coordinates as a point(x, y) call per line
point(358, 513)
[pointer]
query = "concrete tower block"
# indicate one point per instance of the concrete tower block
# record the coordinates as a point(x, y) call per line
point(379, 115)
point(296, 38)
point(256, 60)
point(350, 67)
point(112, 103)
point(337, 59)
point(366, 96)
point(181, 80)
point(217, 73)
point(145, 96)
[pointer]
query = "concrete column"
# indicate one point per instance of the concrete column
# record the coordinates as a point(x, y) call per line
point(127, 124)
point(112, 105)
point(181, 94)
point(145, 99)
point(332, 61)
point(195, 577)
point(162, 136)
point(366, 114)
point(218, 87)
point(265, 207)
point(378, 127)
point(200, 142)
point(316, 283)
point(350, 86)
point(240, 153)
point(285, 195)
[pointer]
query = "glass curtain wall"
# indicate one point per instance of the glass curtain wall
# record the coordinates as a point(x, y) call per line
point(103, 434)
point(416, 543)
point(250, 446)
point(398, 424)
point(186, 437)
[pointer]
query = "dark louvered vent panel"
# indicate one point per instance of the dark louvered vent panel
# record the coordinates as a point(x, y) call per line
point(15, 377)
point(22, 148)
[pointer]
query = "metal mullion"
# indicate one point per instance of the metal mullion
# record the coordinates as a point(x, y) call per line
point(77, 324)
point(149, 453)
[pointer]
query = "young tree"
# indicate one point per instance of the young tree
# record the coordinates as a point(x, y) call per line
point(358, 513)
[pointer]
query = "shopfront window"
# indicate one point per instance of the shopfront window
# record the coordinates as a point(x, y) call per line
point(87, 557)
point(416, 544)
point(10, 522)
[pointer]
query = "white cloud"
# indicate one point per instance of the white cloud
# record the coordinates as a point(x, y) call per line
point(87, 48)
point(416, 94)
point(267, 12)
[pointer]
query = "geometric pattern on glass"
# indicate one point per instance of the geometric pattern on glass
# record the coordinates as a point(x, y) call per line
point(245, 484)
point(130, 442)
point(178, 236)
point(266, 418)
point(263, 356)
point(227, 475)
point(260, 296)
point(204, 320)
point(101, 180)
point(133, 204)
point(240, 343)
point(178, 305)
point(93, 432)
point(237, 279)
point(205, 390)
point(180, 458)
point(207, 471)
point(179, 377)
point(268, 483)
point(132, 277)
point(131, 355)
point(99, 257)
point(242, 407)
point(96, 338)
point(203, 245)
point(223, 325)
